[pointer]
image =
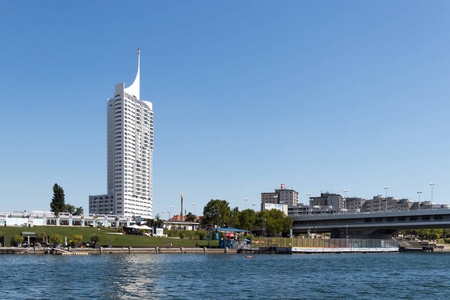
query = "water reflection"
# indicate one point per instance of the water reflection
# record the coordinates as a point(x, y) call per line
point(364, 276)
point(133, 276)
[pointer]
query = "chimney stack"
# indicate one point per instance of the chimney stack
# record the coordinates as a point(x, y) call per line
point(181, 215)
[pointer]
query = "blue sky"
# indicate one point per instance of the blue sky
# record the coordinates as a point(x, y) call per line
point(318, 95)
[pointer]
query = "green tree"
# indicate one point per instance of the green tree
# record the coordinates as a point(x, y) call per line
point(75, 211)
point(446, 232)
point(78, 238)
point(79, 211)
point(247, 219)
point(201, 235)
point(73, 243)
point(190, 217)
point(58, 202)
point(216, 212)
point(69, 208)
point(18, 239)
point(94, 238)
point(158, 221)
point(274, 221)
point(40, 236)
point(56, 239)
point(234, 218)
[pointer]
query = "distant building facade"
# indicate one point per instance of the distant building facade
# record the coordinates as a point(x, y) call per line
point(285, 196)
point(333, 202)
point(330, 203)
point(354, 204)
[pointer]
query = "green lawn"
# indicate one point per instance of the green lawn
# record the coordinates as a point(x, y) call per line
point(105, 235)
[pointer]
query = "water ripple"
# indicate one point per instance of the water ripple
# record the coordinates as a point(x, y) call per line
point(358, 276)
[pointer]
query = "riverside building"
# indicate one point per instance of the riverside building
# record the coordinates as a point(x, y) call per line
point(130, 155)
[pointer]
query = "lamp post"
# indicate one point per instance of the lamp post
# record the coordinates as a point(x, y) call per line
point(386, 188)
point(193, 205)
point(245, 203)
point(345, 198)
point(170, 210)
point(432, 185)
point(418, 193)
point(253, 204)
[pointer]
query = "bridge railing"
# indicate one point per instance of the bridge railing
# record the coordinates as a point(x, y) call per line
point(328, 243)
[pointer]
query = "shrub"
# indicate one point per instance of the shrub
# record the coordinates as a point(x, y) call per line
point(182, 235)
point(18, 239)
point(73, 242)
point(78, 237)
point(201, 235)
point(41, 236)
point(247, 236)
point(56, 239)
point(141, 231)
point(94, 238)
point(434, 236)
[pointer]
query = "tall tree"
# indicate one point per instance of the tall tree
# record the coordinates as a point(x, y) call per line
point(247, 219)
point(190, 217)
point(79, 211)
point(234, 218)
point(274, 221)
point(69, 208)
point(216, 212)
point(58, 202)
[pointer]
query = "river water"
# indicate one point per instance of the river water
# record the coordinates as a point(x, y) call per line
point(232, 276)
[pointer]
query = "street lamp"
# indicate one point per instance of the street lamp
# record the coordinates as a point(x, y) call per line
point(432, 185)
point(386, 188)
point(253, 204)
point(419, 192)
point(245, 203)
point(193, 209)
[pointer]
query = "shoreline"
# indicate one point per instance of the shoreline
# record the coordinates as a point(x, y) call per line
point(118, 250)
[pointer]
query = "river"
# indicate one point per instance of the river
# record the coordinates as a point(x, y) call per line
point(232, 276)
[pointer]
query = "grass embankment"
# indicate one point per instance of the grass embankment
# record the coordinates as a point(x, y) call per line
point(105, 235)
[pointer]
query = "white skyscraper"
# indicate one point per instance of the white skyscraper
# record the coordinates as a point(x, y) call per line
point(130, 155)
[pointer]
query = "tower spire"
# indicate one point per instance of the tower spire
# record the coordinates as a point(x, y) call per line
point(135, 88)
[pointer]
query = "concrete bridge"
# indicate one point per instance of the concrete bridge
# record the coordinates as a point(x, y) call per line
point(373, 224)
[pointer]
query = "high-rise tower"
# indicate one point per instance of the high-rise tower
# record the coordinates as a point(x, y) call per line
point(130, 154)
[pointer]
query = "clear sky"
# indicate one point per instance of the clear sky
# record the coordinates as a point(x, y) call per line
point(318, 95)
